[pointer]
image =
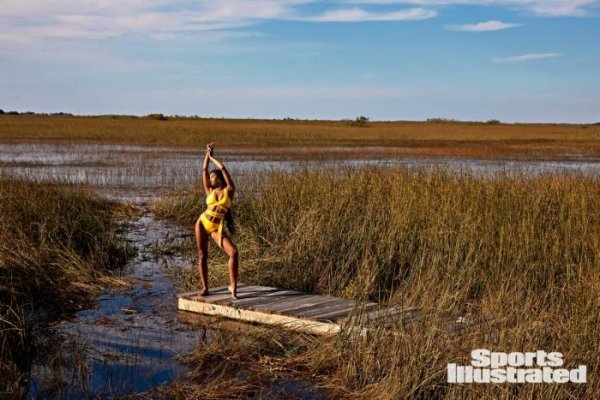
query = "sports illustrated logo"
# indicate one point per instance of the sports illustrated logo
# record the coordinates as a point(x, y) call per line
point(494, 367)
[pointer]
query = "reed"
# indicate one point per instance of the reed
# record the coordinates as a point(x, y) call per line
point(409, 138)
point(521, 250)
point(56, 245)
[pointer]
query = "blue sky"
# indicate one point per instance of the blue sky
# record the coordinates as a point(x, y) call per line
point(512, 60)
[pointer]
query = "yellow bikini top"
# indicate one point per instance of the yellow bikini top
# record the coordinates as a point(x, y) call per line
point(223, 203)
point(218, 209)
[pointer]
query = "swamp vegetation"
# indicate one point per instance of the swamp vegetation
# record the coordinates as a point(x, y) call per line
point(58, 244)
point(522, 251)
point(400, 138)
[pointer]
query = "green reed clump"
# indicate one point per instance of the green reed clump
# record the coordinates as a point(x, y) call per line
point(56, 243)
point(523, 250)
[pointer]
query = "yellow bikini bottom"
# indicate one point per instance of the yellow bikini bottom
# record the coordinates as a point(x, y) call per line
point(211, 227)
point(208, 225)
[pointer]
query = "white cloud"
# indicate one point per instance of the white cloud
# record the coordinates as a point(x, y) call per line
point(37, 20)
point(33, 20)
point(526, 57)
point(359, 15)
point(28, 21)
point(551, 8)
point(482, 26)
point(560, 8)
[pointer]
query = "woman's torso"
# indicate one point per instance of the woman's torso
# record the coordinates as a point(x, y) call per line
point(221, 200)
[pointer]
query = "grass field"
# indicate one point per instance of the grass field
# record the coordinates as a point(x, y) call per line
point(521, 250)
point(409, 138)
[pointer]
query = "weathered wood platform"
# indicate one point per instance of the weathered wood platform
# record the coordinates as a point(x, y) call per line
point(286, 308)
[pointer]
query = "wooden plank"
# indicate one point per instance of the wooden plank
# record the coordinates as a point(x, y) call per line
point(215, 290)
point(280, 298)
point(342, 313)
point(216, 294)
point(295, 310)
point(196, 296)
point(277, 299)
point(283, 304)
point(307, 309)
point(305, 312)
point(334, 315)
point(258, 295)
point(254, 316)
point(249, 302)
point(221, 294)
point(311, 312)
point(303, 304)
point(346, 307)
point(250, 293)
point(310, 308)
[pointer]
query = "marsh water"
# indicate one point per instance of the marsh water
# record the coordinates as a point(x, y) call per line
point(131, 341)
point(127, 171)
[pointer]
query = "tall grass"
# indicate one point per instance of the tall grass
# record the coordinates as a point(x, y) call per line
point(522, 250)
point(421, 138)
point(56, 244)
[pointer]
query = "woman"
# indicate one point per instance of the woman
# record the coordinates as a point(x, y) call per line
point(219, 190)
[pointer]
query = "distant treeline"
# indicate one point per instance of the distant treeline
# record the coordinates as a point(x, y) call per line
point(2, 112)
point(156, 116)
point(359, 121)
point(452, 121)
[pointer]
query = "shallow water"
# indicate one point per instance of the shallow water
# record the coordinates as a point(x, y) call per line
point(134, 339)
point(131, 341)
point(145, 172)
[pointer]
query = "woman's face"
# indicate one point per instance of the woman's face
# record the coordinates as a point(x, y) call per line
point(215, 181)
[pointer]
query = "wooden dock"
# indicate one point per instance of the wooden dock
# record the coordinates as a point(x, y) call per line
point(285, 308)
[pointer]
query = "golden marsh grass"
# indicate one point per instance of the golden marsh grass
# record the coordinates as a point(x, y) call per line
point(56, 245)
point(409, 138)
point(523, 250)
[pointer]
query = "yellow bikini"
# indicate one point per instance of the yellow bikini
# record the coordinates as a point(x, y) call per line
point(212, 219)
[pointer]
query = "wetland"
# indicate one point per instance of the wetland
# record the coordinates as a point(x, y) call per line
point(513, 235)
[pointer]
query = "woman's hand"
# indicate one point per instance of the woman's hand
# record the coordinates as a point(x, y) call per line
point(209, 149)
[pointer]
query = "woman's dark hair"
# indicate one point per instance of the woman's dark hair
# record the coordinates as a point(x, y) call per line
point(229, 215)
point(219, 175)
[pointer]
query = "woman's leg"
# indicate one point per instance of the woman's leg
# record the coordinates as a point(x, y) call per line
point(202, 247)
point(232, 252)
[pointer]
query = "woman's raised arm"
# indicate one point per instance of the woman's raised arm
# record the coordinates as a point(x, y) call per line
point(205, 178)
point(228, 180)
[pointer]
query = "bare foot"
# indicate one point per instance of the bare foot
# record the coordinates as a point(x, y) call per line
point(204, 292)
point(233, 292)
